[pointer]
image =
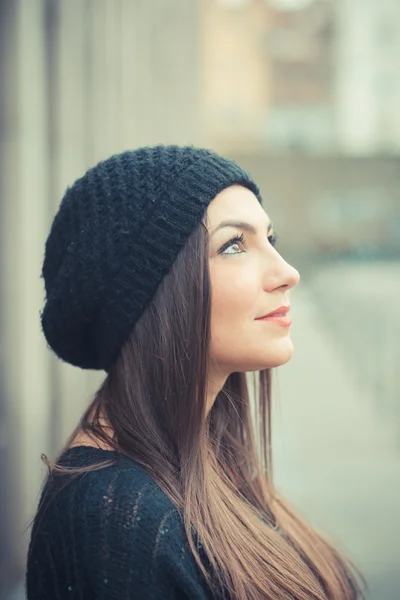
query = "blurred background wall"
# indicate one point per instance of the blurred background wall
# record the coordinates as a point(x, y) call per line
point(305, 94)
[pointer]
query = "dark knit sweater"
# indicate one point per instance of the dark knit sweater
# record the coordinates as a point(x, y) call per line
point(109, 534)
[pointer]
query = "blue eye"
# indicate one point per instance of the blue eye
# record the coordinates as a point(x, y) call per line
point(237, 239)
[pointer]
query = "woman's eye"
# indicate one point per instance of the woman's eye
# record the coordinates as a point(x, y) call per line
point(236, 241)
point(236, 244)
point(232, 246)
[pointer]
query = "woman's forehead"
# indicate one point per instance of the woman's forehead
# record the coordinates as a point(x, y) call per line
point(236, 203)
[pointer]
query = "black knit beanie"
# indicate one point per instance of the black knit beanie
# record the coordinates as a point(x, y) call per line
point(117, 233)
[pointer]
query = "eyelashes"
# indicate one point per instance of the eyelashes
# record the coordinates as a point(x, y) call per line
point(234, 240)
point(239, 239)
point(273, 239)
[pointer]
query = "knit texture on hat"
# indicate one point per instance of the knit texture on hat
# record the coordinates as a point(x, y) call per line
point(117, 233)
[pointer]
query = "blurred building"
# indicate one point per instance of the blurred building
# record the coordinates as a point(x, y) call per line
point(298, 44)
point(318, 76)
point(235, 88)
point(367, 64)
point(267, 75)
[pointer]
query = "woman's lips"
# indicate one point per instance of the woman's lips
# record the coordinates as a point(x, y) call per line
point(280, 319)
point(278, 316)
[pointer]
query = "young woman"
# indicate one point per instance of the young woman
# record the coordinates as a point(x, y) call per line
point(160, 268)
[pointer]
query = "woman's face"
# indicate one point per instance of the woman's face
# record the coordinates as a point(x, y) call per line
point(249, 279)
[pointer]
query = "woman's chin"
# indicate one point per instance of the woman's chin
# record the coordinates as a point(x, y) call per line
point(256, 358)
point(284, 354)
point(261, 362)
point(280, 356)
point(279, 361)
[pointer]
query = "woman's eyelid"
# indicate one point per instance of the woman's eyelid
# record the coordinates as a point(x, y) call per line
point(239, 238)
point(271, 236)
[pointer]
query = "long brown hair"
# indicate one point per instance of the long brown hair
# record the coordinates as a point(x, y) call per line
point(216, 467)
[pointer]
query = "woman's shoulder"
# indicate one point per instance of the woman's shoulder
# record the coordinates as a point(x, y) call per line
point(124, 484)
point(120, 466)
point(118, 508)
point(112, 527)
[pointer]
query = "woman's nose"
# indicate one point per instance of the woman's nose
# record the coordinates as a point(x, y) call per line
point(282, 274)
point(293, 276)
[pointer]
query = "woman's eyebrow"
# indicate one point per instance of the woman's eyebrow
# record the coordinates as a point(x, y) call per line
point(241, 225)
